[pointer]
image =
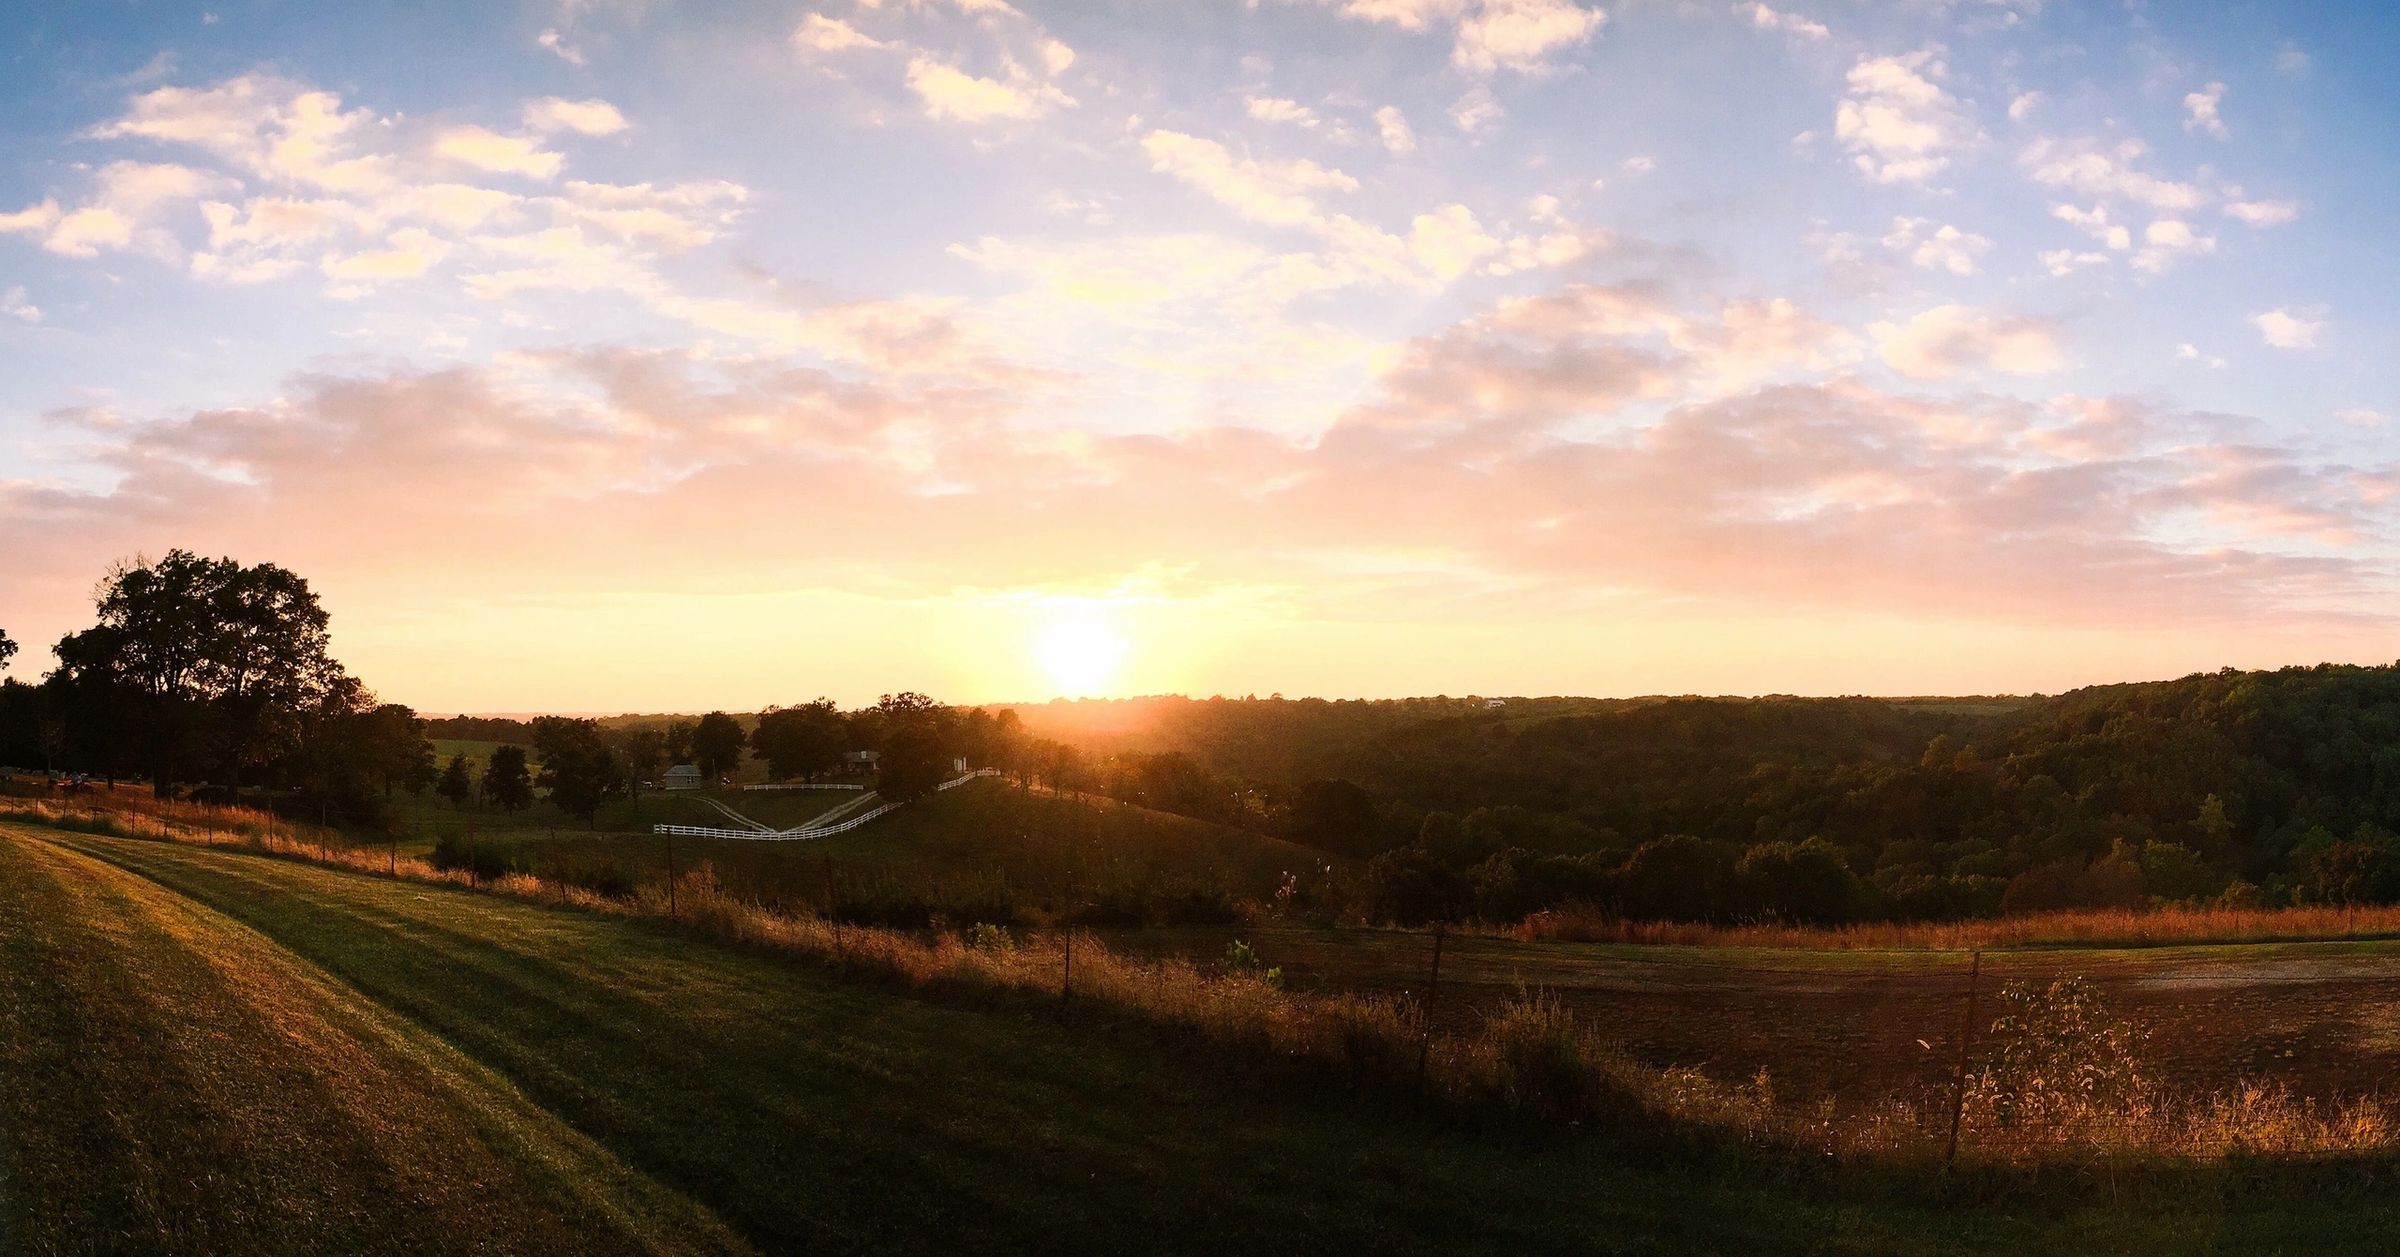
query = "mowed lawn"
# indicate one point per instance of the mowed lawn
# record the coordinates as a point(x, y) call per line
point(1057, 850)
point(210, 1051)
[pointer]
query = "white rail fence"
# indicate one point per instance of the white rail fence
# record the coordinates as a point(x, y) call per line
point(804, 785)
point(806, 832)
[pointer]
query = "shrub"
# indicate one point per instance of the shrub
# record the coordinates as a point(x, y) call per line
point(2059, 1064)
point(1243, 962)
point(995, 939)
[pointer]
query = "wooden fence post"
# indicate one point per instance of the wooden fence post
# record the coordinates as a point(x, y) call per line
point(672, 910)
point(1958, 1080)
point(1433, 996)
point(1066, 982)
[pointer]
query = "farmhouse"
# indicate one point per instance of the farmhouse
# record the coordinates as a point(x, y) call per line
point(684, 777)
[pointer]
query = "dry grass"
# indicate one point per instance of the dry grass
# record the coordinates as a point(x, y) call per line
point(2157, 927)
point(1530, 1058)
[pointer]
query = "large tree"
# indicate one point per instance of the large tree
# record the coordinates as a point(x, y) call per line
point(579, 767)
point(717, 745)
point(914, 764)
point(640, 750)
point(219, 661)
point(800, 741)
point(8, 649)
point(505, 781)
point(456, 785)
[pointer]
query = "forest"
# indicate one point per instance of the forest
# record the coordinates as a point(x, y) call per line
point(2251, 788)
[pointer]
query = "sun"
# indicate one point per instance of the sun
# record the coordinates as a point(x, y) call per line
point(1080, 650)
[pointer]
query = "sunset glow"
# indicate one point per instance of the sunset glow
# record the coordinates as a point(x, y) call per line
point(652, 356)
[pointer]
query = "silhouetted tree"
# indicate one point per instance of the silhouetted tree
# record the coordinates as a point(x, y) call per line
point(455, 785)
point(505, 780)
point(219, 659)
point(914, 763)
point(640, 750)
point(799, 741)
point(579, 767)
point(717, 745)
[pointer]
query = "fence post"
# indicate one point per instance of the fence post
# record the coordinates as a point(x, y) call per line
point(1066, 983)
point(1433, 996)
point(672, 910)
point(1958, 1080)
point(833, 905)
point(395, 853)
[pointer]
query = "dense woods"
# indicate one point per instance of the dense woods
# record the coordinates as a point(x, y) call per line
point(2257, 787)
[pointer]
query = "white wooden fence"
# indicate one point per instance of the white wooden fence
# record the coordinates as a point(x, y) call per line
point(805, 832)
point(804, 785)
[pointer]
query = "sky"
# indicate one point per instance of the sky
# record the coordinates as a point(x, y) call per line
point(599, 355)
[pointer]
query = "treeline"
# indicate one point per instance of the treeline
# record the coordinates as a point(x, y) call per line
point(207, 677)
point(2250, 788)
point(214, 680)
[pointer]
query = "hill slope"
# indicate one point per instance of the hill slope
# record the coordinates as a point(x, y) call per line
point(802, 1112)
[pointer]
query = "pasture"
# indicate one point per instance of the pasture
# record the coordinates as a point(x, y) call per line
point(327, 1059)
point(986, 847)
point(2320, 1017)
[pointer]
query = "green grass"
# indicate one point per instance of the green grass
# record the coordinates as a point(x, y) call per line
point(175, 1082)
point(211, 1050)
point(1061, 853)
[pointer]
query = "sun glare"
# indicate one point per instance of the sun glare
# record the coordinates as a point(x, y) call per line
point(1080, 650)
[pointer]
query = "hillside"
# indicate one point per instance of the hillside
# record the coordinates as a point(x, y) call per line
point(322, 1060)
point(987, 851)
point(2274, 787)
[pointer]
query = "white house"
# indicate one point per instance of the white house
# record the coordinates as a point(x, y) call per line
point(684, 777)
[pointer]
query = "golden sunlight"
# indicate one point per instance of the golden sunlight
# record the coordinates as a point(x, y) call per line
point(1080, 648)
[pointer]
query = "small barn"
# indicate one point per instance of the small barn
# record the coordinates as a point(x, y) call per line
point(684, 777)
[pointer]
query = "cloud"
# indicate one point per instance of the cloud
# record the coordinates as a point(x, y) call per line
point(2024, 105)
point(2168, 239)
point(486, 149)
point(16, 305)
point(407, 254)
point(1391, 126)
point(2191, 353)
point(1897, 121)
point(2095, 222)
point(819, 33)
point(2200, 112)
point(1522, 35)
point(127, 196)
point(1277, 193)
point(2063, 262)
point(265, 126)
point(584, 117)
point(2361, 417)
point(1950, 340)
point(2112, 172)
point(2263, 213)
point(1767, 19)
point(1943, 248)
point(951, 93)
point(1413, 15)
point(556, 44)
point(2283, 328)
point(1476, 111)
point(1280, 111)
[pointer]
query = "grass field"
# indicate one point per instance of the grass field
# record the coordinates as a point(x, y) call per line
point(209, 1049)
point(985, 841)
point(2322, 1018)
